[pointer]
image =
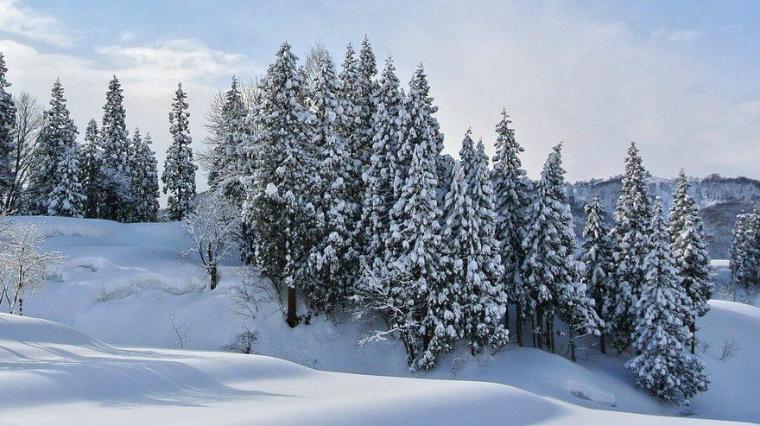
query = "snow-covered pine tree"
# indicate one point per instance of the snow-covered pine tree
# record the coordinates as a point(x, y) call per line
point(357, 145)
point(419, 83)
point(599, 266)
point(332, 262)
point(745, 249)
point(56, 139)
point(144, 179)
point(633, 215)
point(278, 212)
point(227, 138)
point(179, 171)
point(689, 251)
point(662, 365)
point(549, 267)
point(67, 197)
point(485, 296)
point(7, 128)
point(418, 271)
point(512, 199)
point(91, 176)
point(378, 176)
point(447, 302)
point(366, 101)
point(114, 138)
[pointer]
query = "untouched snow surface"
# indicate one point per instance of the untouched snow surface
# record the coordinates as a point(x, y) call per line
point(53, 374)
point(128, 285)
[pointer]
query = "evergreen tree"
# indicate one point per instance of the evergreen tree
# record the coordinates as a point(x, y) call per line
point(56, 139)
point(228, 139)
point(366, 101)
point(632, 218)
point(144, 179)
point(745, 250)
point(91, 176)
point(418, 270)
point(379, 176)
point(278, 212)
point(661, 365)
point(117, 190)
point(549, 267)
point(419, 83)
point(599, 266)
point(689, 251)
point(67, 197)
point(7, 129)
point(511, 195)
point(357, 145)
point(485, 297)
point(332, 260)
point(179, 171)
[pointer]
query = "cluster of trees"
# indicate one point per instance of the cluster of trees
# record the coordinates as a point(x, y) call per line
point(347, 201)
point(745, 251)
point(44, 170)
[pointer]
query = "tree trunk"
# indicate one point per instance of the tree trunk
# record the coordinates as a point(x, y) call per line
point(693, 329)
point(519, 325)
point(602, 344)
point(292, 316)
point(550, 328)
point(572, 343)
point(212, 270)
point(533, 330)
point(539, 330)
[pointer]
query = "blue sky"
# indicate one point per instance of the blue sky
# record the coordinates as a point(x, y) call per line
point(680, 78)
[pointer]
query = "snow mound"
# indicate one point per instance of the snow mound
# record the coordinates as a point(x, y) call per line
point(60, 376)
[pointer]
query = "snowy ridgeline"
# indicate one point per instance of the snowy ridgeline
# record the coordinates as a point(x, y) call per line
point(719, 199)
point(128, 285)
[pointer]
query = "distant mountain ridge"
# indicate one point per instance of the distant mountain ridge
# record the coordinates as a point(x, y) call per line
point(719, 198)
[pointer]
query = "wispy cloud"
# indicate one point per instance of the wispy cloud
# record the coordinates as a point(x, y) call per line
point(26, 22)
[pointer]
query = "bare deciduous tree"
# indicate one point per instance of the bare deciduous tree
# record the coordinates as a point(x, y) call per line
point(214, 228)
point(29, 121)
point(23, 263)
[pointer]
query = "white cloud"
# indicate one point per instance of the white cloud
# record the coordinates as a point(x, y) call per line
point(26, 22)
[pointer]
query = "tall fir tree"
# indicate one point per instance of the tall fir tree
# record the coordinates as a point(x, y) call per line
point(550, 271)
point(332, 262)
point(7, 128)
point(512, 200)
point(179, 170)
point(419, 83)
point(418, 269)
point(378, 177)
point(633, 215)
point(55, 141)
point(67, 197)
point(689, 251)
point(599, 265)
point(745, 249)
point(366, 100)
point(228, 140)
point(357, 145)
point(117, 189)
point(91, 176)
point(661, 365)
point(278, 212)
point(144, 179)
point(486, 296)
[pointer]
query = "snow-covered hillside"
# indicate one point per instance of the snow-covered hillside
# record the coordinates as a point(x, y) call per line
point(59, 376)
point(128, 285)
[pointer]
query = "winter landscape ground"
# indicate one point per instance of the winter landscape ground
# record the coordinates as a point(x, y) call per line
point(125, 331)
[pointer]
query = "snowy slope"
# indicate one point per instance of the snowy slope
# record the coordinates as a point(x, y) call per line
point(60, 376)
point(122, 284)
